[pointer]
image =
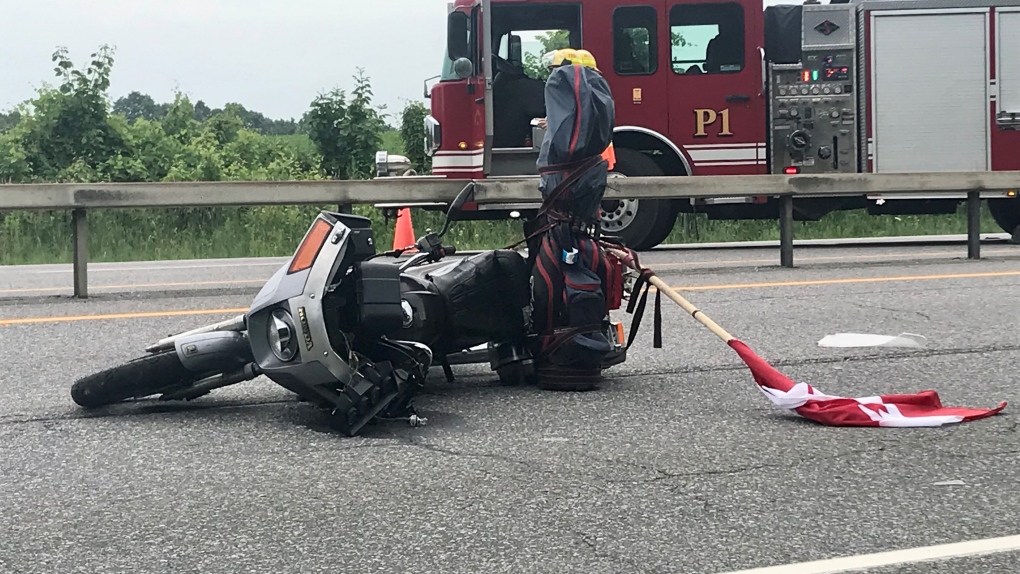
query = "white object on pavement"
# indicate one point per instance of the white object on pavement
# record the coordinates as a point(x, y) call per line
point(842, 340)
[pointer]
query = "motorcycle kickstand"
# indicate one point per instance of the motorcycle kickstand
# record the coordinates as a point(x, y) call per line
point(447, 370)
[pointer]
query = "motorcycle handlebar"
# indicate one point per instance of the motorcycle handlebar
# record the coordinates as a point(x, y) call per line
point(449, 249)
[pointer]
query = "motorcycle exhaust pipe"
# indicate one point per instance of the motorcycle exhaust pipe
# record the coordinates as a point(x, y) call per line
point(234, 324)
point(218, 381)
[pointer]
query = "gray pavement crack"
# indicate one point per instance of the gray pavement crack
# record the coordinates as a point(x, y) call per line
point(870, 306)
point(661, 475)
point(147, 410)
point(491, 456)
point(984, 454)
point(665, 475)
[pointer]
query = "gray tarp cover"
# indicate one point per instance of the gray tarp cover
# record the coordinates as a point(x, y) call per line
point(580, 114)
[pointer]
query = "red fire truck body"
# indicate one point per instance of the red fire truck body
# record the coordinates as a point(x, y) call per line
point(727, 87)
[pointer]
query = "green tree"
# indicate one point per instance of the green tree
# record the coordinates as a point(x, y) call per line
point(179, 121)
point(202, 111)
point(225, 125)
point(551, 40)
point(67, 133)
point(412, 132)
point(9, 120)
point(346, 134)
point(137, 105)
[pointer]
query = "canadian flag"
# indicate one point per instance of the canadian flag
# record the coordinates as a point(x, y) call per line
point(923, 409)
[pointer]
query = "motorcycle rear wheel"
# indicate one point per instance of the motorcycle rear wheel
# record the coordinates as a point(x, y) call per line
point(137, 378)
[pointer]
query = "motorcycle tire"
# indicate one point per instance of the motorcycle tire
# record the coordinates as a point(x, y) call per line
point(137, 378)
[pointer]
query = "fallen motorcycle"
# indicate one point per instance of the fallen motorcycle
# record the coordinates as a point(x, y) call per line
point(356, 332)
point(352, 330)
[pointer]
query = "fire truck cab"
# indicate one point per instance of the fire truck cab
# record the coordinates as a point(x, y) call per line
point(729, 87)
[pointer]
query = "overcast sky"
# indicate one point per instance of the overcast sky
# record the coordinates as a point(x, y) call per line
point(272, 56)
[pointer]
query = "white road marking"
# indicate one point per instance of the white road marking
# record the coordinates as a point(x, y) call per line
point(865, 561)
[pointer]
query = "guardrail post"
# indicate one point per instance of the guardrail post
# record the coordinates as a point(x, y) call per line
point(973, 225)
point(345, 208)
point(786, 230)
point(80, 255)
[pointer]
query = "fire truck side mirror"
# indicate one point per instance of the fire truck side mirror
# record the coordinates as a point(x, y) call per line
point(457, 36)
point(463, 68)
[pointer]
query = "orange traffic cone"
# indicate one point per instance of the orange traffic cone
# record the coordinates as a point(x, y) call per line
point(403, 235)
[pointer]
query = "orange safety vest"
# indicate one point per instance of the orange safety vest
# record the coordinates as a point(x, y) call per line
point(610, 155)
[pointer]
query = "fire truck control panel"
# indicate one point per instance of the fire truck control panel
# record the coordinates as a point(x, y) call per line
point(812, 103)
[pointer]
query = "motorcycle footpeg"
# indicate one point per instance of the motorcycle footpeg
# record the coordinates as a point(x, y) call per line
point(363, 399)
point(378, 390)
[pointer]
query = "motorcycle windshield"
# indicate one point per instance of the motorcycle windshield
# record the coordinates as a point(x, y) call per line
point(580, 117)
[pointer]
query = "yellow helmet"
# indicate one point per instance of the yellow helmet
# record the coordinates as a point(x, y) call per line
point(587, 59)
point(557, 58)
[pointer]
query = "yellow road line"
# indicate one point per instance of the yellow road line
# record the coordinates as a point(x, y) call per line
point(850, 280)
point(654, 267)
point(926, 255)
point(76, 318)
point(806, 283)
point(657, 267)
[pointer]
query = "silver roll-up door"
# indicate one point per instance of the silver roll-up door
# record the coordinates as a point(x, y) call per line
point(1008, 54)
point(929, 85)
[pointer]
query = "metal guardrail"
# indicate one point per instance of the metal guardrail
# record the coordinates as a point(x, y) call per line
point(79, 198)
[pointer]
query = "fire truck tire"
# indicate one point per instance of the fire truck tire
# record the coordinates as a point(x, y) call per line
point(1005, 212)
point(642, 224)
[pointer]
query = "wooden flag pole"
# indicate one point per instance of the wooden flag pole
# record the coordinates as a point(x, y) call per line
point(672, 294)
point(919, 409)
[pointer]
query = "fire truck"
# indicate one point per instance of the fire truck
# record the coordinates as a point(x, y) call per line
point(731, 87)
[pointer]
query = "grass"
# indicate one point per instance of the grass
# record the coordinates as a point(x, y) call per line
point(842, 224)
point(165, 234)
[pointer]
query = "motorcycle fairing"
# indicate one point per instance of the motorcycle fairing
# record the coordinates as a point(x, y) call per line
point(300, 296)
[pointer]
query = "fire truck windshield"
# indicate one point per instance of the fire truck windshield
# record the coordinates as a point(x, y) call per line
point(460, 39)
point(521, 35)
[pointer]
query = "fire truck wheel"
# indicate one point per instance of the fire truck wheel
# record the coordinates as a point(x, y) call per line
point(1005, 212)
point(642, 224)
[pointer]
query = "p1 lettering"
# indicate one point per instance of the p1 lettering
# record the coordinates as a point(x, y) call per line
point(705, 117)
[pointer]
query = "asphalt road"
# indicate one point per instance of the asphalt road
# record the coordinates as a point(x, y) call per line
point(678, 464)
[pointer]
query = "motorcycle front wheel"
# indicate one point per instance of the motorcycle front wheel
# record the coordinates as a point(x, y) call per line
point(141, 377)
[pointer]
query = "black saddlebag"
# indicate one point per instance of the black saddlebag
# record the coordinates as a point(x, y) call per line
point(487, 295)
